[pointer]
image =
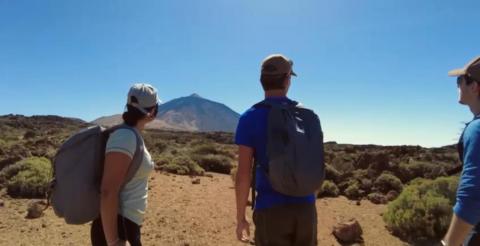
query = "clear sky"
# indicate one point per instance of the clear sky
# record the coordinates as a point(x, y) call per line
point(375, 71)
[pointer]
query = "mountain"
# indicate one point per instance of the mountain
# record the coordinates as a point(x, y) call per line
point(198, 114)
point(191, 113)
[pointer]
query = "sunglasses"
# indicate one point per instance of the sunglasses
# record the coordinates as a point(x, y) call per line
point(461, 79)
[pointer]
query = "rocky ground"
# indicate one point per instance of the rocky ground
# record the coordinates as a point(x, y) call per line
point(182, 213)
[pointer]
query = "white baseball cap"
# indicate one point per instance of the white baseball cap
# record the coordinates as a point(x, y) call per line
point(142, 96)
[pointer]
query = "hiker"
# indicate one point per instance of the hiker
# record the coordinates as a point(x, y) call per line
point(122, 210)
point(281, 216)
point(465, 224)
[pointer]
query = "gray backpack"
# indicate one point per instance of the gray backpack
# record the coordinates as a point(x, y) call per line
point(78, 170)
point(294, 149)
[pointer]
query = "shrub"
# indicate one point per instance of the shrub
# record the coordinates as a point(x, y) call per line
point(437, 171)
point(332, 174)
point(414, 169)
point(428, 157)
point(29, 134)
point(220, 137)
point(350, 150)
point(329, 156)
point(342, 164)
point(27, 178)
point(423, 210)
point(359, 174)
point(345, 184)
point(213, 149)
point(181, 139)
point(381, 162)
point(391, 195)
point(183, 165)
point(160, 147)
point(161, 161)
point(363, 161)
point(329, 189)
point(377, 198)
point(366, 185)
point(3, 144)
point(205, 149)
point(387, 182)
point(214, 163)
point(400, 151)
point(353, 191)
point(448, 157)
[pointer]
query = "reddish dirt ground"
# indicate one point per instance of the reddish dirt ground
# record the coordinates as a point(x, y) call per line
point(182, 213)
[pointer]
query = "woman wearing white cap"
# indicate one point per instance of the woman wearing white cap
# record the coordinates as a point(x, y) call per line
point(465, 225)
point(123, 205)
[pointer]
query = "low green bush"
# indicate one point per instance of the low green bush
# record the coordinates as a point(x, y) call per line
point(161, 160)
point(359, 174)
point(343, 164)
point(353, 191)
point(387, 182)
point(220, 137)
point(364, 161)
point(332, 174)
point(366, 185)
point(205, 149)
point(182, 165)
point(214, 163)
point(328, 189)
point(377, 198)
point(212, 149)
point(28, 178)
point(422, 212)
point(414, 169)
point(160, 147)
point(3, 144)
point(381, 162)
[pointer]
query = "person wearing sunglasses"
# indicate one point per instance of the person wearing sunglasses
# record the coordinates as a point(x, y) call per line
point(465, 224)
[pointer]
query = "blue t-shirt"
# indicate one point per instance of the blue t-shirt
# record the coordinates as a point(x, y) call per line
point(252, 132)
point(467, 205)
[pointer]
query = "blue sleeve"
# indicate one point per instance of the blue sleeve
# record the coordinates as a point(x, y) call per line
point(467, 206)
point(243, 135)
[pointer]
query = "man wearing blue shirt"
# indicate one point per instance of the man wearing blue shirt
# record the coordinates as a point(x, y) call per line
point(465, 225)
point(279, 219)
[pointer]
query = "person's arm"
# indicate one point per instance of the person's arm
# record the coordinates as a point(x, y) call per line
point(457, 232)
point(115, 170)
point(466, 210)
point(242, 188)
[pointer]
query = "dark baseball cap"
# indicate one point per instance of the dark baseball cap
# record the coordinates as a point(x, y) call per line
point(471, 69)
point(277, 64)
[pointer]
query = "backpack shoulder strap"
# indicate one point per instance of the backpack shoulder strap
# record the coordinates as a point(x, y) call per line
point(460, 150)
point(263, 104)
point(253, 184)
point(139, 152)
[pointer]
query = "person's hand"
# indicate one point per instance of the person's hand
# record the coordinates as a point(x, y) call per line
point(243, 230)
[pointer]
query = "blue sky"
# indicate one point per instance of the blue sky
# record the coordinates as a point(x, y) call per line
point(374, 70)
